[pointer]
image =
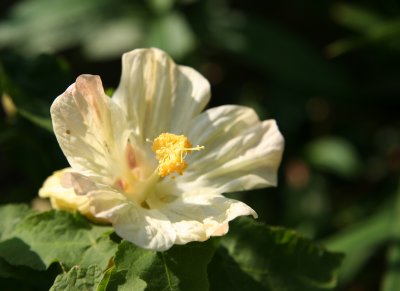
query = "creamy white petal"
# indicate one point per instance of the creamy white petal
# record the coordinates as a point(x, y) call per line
point(198, 214)
point(63, 197)
point(91, 130)
point(240, 151)
point(105, 200)
point(147, 228)
point(157, 95)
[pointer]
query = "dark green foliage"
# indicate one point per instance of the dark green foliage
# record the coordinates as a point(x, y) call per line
point(272, 258)
point(328, 72)
point(252, 255)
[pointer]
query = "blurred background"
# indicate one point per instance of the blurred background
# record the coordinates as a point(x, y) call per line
point(327, 71)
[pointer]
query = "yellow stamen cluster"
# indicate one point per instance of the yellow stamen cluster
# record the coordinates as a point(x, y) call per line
point(171, 150)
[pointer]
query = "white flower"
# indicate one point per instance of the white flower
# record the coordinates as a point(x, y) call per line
point(149, 161)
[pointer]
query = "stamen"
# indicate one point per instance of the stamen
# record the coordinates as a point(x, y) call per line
point(171, 151)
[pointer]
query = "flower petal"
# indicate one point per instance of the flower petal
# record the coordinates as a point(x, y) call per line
point(198, 214)
point(90, 128)
point(149, 229)
point(240, 151)
point(61, 197)
point(157, 95)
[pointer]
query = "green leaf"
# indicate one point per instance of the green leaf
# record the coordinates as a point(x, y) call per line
point(172, 33)
point(360, 242)
point(356, 17)
point(56, 236)
point(273, 50)
point(161, 6)
point(18, 253)
point(226, 274)
point(334, 154)
point(122, 34)
point(259, 257)
point(180, 268)
point(371, 29)
point(11, 215)
point(106, 279)
point(32, 84)
point(83, 279)
point(43, 122)
point(57, 32)
point(391, 280)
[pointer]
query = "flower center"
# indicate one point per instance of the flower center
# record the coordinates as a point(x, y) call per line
point(171, 150)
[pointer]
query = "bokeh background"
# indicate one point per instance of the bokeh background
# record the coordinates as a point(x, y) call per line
point(327, 71)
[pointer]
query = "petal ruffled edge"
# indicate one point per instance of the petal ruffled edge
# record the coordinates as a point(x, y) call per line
point(146, 228)
point(91, 129)
point(200, 214)
point(157, 95)
point(241, 152)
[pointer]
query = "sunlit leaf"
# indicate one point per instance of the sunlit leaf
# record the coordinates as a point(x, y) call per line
point(78, 278)
point(180, 268)
point(111, 277)
point(41, 239)
point(11, 215)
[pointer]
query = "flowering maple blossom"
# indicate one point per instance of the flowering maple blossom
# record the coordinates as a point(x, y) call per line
point(150, 162)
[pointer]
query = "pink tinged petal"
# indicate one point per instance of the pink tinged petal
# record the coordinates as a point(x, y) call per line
point(153, 89)
point(85, 185)
point(90, 128)
point(220, 230)
point(130, 156)
point(81, 184)
point(218, 225)
point(240, 151)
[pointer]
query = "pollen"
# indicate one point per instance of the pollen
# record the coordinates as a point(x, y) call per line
point(171, 151)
